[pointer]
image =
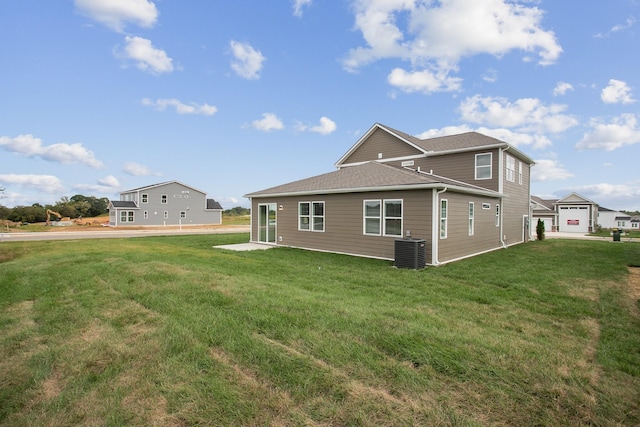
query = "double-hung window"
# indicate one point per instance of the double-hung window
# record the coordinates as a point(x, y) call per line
point(163, 199)
point(471, 218)
point(520, 173)
point(444, 205)
point(483, 166)
point(393, 217)
point(511, 169)
point(372, 215)
point(382, 217)
point(145, 198)
point(311, 216)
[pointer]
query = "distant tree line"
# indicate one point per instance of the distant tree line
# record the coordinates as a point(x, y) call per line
point(78, 206)
point(237, 211)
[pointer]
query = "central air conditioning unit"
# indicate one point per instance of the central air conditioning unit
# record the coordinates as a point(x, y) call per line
point(410, 253)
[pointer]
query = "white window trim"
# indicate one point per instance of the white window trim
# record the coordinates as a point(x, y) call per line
point(384, 217)
point(520, 173)
point(164, 199)
point(312, 216)
point(145, 198)
point(183, 214)
point(497, 215)
point(490, 166)
point(444, 219)
point(472, 212)
point(308, 216)
point(510, 168)
point(365, 217)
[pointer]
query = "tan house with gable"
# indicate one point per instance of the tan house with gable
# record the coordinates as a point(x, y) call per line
point(462, 194)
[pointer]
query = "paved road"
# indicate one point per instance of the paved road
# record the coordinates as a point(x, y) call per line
point(111, 233)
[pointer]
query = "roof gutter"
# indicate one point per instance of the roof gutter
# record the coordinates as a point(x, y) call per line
point(488, 193)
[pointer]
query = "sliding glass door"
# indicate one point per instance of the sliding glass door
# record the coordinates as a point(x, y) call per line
point(267, 223)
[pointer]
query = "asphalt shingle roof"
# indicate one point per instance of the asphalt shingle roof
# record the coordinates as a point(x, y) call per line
point(365, 177)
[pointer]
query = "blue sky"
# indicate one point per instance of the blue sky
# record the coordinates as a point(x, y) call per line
point(231, 97)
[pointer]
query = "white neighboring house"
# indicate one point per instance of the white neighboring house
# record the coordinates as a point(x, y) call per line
point(167, 203)
point(608, 218)
point(572, 214)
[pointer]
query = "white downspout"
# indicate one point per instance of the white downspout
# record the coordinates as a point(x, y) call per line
point(435, 229)
point(504, 244)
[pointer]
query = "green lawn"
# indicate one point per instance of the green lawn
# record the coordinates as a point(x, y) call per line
point(167, 331)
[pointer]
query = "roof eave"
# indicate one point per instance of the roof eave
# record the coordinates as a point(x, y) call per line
point(429, 186)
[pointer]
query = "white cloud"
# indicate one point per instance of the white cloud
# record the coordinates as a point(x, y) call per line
point(562, 88)
point(423, 81)
point(29, 146)
point(268, 123)
point(549, 170)
point(325, 127)
point(526, 114)
point(518, 140)
point(45, 183)
point(180, 107)
point(442, 33)
point(490, 76)
point(298, 5)
point(146, 57)
point(108, 184)
point(137, 169)
point(617, 93)
point(622, 130)
point(247, 62)
point(630, 22)
point(116, 13)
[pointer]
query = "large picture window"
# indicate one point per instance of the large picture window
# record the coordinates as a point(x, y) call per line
point(382, 217)
point(126, 216)
point(311, 216)
point(483, 166)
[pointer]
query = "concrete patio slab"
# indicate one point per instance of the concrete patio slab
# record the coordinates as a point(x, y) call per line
point(244, 247)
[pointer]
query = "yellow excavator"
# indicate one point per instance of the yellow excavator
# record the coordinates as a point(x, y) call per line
point(49, 213)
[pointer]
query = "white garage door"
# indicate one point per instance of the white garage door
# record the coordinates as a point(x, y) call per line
point(574, 219)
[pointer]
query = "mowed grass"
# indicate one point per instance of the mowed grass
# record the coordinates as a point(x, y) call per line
point(167, 331)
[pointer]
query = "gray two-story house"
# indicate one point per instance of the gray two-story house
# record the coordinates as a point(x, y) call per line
point(463, 194)
point(165, 204)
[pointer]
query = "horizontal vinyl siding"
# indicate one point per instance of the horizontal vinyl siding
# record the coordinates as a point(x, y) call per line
point(381, 142)
point(461, 167)
point(458, 243)
point(515, 205)
point(179, 199)
point(344, 223)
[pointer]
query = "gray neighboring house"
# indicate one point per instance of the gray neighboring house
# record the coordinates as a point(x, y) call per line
point(463, 194)
point(167, 203)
